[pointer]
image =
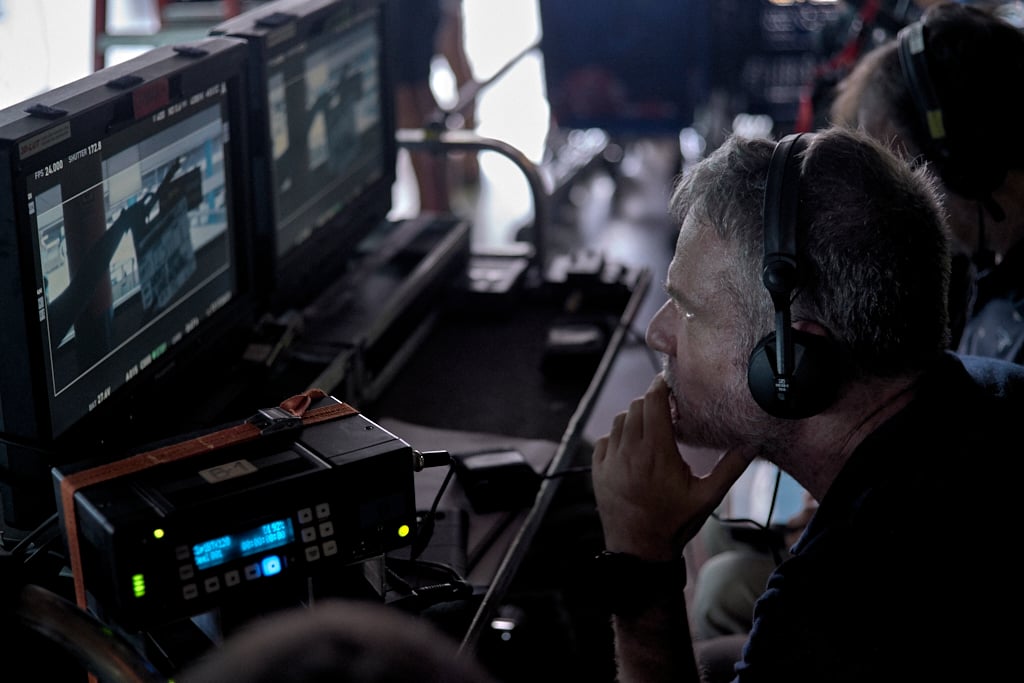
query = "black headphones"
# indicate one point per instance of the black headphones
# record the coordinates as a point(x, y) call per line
point(975, 180)
point(792, 373)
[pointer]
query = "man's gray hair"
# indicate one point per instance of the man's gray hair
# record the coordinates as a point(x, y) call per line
point(873, 245)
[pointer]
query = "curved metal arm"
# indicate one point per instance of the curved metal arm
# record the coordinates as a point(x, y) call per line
point(96, 647)
point(438, 141)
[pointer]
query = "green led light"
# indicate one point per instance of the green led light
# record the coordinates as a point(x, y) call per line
point(158, 533)
point(138, 585)
point(403, 531)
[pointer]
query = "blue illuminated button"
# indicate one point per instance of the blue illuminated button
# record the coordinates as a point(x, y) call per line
point(271, 565)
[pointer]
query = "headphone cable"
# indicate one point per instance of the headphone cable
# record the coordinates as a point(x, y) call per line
point(766, 527)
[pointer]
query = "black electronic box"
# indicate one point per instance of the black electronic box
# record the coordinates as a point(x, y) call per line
point(246, 522)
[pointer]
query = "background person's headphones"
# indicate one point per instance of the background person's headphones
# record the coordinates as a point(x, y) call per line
point(974, 175)
point(792, 373)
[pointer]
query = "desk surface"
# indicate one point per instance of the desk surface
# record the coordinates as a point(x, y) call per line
point(481, 372)
point(483, 562)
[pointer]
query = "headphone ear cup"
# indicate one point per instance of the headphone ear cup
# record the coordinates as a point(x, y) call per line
point(814, 381)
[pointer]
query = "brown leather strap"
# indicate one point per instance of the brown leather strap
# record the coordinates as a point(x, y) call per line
point(296, 406)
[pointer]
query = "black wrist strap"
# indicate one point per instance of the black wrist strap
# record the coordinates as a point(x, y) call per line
point(626, 585)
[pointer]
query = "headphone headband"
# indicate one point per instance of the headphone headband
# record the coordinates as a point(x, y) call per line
point(791, 373)
point(914, 63)
point(779, 267)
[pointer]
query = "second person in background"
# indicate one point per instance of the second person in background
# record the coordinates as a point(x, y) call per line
point(422, 30)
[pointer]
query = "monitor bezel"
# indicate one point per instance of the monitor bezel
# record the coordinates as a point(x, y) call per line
point(277, 28)
point(153, 402)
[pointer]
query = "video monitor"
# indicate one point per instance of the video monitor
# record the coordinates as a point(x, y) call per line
point(323, 148)
point(125, 255)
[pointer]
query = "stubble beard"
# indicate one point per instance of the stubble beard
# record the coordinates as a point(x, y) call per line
point(720, 421)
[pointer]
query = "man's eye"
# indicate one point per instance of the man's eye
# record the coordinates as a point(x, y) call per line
point(686, 314)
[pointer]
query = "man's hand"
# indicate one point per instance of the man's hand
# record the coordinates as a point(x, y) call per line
point(649, 500)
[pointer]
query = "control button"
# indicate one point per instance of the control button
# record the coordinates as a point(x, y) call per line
point(326, 529)
point(305, 516)
point(252, 571)
point(181, 552)
point(323, 510)
point(186, 572)
point(212, 584)
point(271, 565)
point(190, 591)
point(330, 548)
point(232, 578)
point(308, 534)
point(312, 553)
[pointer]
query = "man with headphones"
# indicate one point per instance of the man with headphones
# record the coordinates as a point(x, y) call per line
point(947, 92)
point(806, 324)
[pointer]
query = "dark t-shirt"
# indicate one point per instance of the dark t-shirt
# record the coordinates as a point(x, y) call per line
point(414, 25)
point(905, 571)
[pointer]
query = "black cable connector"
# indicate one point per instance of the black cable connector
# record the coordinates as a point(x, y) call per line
point(425, 459)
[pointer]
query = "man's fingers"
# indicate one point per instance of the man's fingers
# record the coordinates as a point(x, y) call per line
point(656, 407)
point(633, 424)
point(658, 384)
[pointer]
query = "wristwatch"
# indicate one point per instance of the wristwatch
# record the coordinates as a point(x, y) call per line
point(626, 584)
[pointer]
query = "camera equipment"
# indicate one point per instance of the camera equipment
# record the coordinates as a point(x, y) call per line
point(245, 514)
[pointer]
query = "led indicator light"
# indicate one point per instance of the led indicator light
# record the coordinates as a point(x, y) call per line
point(139, 585)
point(403, 531)
point(158, 533)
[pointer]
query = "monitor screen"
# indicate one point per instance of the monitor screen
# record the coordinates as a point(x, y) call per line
point(324, 149)
point(126, 253)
